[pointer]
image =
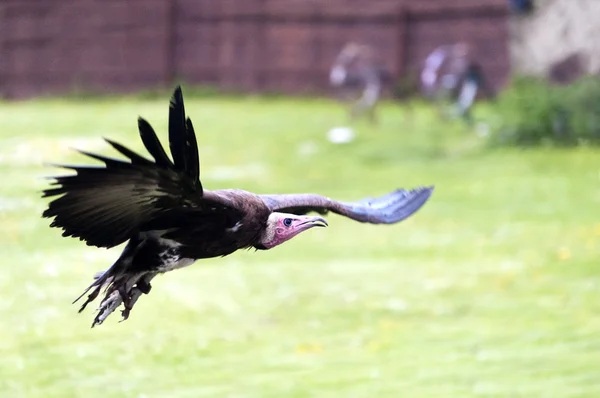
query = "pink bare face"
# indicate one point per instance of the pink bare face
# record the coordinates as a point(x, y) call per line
point(283, 227)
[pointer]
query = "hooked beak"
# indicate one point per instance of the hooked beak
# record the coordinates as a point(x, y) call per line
point(307, 222)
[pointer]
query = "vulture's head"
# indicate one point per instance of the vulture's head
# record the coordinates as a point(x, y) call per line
point(282, 227)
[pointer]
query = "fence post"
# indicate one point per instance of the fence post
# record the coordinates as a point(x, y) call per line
point(260, 74)
point(403, 31)
point(170, 52)
point(4, 54)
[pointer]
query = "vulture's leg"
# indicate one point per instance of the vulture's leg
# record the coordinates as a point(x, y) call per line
point(113, 277)
point(119, 291)
point(142, 287)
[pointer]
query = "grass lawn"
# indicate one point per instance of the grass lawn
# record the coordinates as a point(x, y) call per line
point(491, 290)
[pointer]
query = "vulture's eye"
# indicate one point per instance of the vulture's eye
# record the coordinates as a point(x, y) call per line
point(287, 222)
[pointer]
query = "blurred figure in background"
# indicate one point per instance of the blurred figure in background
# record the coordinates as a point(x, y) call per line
point(451, 75)
point(358, 78)
point(431, 71)
point(443, 70)
point(472, 82)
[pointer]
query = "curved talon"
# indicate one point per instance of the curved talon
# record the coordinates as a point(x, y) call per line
point(107, 307)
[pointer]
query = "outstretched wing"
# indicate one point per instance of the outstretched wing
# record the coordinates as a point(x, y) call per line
point(388, 209)
point(105, 206)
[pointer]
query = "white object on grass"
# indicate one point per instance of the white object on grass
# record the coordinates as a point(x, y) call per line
point(340, 135)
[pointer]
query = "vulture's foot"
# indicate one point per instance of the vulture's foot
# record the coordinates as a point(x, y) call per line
point(110, 303)
point(123, 293)
point(130, 301)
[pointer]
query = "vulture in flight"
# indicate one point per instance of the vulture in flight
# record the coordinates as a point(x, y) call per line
point(160, 208)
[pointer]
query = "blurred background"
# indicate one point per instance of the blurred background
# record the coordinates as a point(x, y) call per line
point(490, 290)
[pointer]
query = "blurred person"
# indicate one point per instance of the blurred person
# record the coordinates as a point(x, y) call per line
point(451, 75)
point(359, 79)
point(443, 69)
point(430, 72)
point(472, 82)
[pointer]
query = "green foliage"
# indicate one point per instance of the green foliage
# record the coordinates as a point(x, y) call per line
point(532, 112)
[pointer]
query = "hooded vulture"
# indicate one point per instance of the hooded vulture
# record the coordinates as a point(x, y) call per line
point(160, 208)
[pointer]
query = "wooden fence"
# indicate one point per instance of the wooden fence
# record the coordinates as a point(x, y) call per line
point(54, 46)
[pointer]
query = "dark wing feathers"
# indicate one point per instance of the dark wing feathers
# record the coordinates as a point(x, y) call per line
point(115, 163)
point(153, 145)
point(104, 206)
point(134, 157)
point(388, 209)
point(182, 140)
point(177, 131)
point(191, 156)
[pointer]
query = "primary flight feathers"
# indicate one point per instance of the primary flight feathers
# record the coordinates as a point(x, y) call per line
point(169, 220)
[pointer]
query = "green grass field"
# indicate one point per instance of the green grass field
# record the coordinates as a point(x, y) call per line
point(491, 290)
